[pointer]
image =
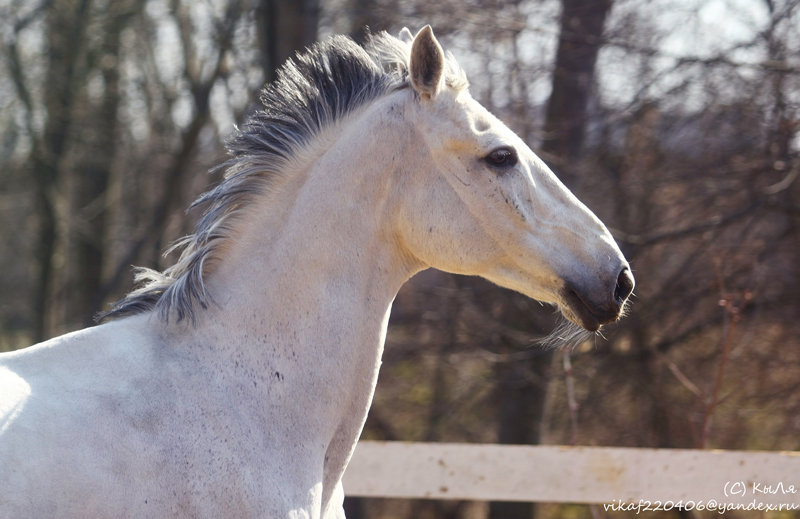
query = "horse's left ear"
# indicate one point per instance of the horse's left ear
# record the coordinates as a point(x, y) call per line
point(405, 35)
point(426, 64)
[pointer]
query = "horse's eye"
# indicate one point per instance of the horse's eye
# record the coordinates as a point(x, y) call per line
point(502, 158)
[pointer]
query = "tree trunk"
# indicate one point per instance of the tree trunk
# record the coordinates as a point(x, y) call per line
point(92, 176)
point(66, 25)
point(521, 395)
point(285, 27)
point(580, 39)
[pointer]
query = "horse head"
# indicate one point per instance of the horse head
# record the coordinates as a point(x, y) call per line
point(493, 208)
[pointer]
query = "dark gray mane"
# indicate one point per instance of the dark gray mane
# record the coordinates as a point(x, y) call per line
point(311, 92)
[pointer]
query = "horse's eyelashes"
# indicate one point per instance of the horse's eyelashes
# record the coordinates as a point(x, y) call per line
point(502, 158)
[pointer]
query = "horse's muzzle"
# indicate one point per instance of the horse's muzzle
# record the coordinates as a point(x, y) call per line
point(593, 308)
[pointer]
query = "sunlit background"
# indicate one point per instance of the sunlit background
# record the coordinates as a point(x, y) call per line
point(676, 121)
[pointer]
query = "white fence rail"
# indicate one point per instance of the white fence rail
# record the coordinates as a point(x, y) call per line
point(554, 474)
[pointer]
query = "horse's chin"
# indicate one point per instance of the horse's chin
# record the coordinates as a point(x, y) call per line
point(583, 319)
point(587, 314)
point(566, 335)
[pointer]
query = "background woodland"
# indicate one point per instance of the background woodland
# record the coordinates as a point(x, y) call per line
point(676, 121)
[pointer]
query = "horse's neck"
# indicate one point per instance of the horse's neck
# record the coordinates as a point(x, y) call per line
point(305, 290)
point(319, 250)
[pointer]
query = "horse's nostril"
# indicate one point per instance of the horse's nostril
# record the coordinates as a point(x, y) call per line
point(624, 286)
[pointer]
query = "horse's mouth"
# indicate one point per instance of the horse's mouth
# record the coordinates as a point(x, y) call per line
point(585, 314)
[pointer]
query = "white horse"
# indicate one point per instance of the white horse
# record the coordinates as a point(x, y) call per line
point(236, 383)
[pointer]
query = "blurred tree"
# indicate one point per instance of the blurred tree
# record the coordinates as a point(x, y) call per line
point(365, 18)
point(580, 39)
point(111, 148)
point(98, 133)
point(66, 22)
point(285, 27)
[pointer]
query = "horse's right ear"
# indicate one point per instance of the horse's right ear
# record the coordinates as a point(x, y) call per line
point(426, 64)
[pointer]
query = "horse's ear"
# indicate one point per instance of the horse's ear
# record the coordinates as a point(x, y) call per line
point(405, 35)
point(426, 63)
